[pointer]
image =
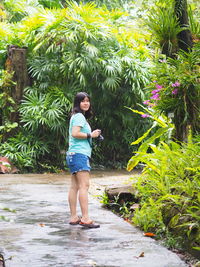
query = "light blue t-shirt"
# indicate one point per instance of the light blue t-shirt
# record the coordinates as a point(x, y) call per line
point(79, 145)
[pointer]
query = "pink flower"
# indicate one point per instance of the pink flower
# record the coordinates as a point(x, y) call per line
point(145, 116)
point(146, 102)
point(155, 91)
point(156, 97)
point(176, 84)
point(175, 91)
point(159, 86)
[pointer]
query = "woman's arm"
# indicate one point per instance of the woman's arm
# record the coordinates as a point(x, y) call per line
point(76, 133)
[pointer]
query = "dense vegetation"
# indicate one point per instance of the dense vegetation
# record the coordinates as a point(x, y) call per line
point(168, 189)
point(169, 186)
point(169, 192)
point(78, 48)
point(88, 47)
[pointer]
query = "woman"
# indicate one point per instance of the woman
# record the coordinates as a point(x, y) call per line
point(78, 155)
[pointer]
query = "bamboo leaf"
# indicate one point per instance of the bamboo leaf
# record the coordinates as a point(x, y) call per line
point(134, 160)
point(142, 137)
point(145, 145)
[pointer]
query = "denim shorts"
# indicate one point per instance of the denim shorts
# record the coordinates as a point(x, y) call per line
point(78, 162)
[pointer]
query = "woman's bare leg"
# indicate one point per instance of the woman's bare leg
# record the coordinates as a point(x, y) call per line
point(72, 198)
point(83, 186)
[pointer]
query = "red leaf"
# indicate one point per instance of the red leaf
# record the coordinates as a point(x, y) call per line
point(149, 234)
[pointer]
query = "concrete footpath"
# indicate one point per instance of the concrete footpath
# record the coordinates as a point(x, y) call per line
point(38, 234)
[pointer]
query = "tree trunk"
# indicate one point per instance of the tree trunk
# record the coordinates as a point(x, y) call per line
point(184, 37)
point(184, 43)
point(182, 129)
point(16, 64)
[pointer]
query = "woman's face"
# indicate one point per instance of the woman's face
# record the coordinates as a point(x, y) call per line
point(85, 104)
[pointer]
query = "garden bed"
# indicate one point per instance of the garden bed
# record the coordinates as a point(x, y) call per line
point(124, 202)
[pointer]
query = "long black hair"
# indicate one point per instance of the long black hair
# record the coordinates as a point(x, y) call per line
point(76, 108)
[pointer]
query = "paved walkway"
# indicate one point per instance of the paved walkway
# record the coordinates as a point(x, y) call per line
point(38, 233)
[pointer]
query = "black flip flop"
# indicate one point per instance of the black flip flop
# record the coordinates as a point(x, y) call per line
point(89, 225)
point(76, 222)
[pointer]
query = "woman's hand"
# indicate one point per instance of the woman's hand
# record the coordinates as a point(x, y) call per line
point(95, 133)
point(76, 133)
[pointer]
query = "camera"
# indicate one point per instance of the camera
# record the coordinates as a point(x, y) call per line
point(100, 138)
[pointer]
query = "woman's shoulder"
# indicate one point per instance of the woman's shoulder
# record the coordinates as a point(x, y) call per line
point(78, 115)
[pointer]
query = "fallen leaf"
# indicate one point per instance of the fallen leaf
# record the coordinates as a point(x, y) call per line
point(149, 234)
point(41, 224)
point(141, 254)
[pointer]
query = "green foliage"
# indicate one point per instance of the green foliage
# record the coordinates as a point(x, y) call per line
point(5, 37)
point(172, 242)
point(169, 191)
point(181, 102)
point(52, 3)
point(40, 112)
point(81, 52)
point(124, 210)
point(5, 90)
point(194, 17)
point(165, 27)
point(25, 150)
point(110, 4)
point(117, 205)
point(18, 9)
point(176, 90)
point(162, 131)
point(82, 47)
point(6, 128)
point(7, 104)
point(149, 217)
point(104, 199)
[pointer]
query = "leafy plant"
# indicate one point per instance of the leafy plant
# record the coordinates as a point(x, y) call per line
point(24, 151)
point(171, 241)
point(175, 91)
point(40, 111)
point(165, 27)
point(82, 52)
point(149, 217)
point(169, 191)
point(104, 199)
point(7, 104)
point(193, 22)
point(163, 132)
point(18, 9)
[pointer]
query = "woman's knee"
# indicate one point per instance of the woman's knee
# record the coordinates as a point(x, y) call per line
point(83, 180)
point(84, 186)
point(74, 187)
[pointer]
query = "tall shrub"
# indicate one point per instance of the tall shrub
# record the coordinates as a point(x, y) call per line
point(83, 48)
point(169, 192)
